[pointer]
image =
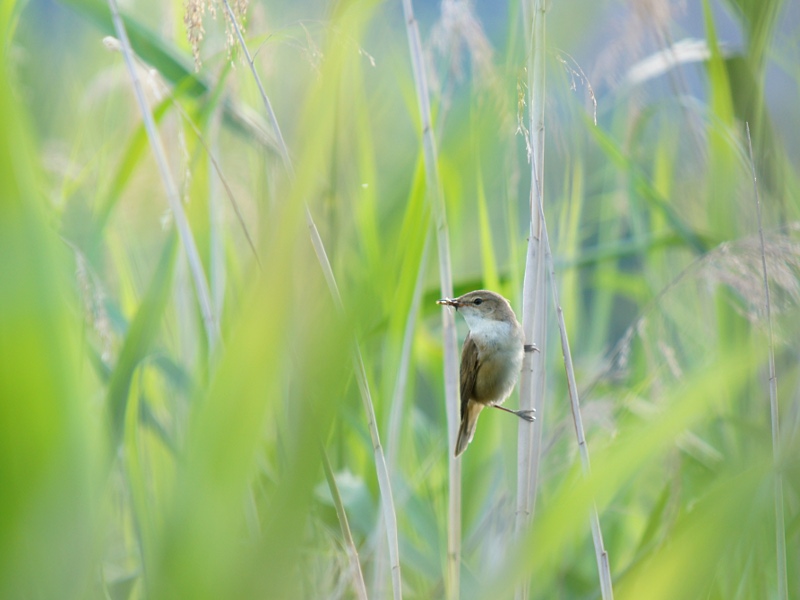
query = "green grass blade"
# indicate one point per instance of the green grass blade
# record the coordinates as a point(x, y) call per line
point(48, 446)
point(141, 335)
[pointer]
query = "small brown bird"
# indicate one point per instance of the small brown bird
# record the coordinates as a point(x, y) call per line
point(490, 360)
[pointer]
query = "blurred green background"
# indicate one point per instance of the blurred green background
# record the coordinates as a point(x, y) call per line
point(141, 457)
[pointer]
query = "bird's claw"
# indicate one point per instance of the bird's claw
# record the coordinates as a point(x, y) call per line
point(527, 415)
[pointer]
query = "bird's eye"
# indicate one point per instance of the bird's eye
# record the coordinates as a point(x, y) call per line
point(477, 301)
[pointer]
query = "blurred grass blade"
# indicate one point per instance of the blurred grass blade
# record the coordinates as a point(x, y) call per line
point(384, 481)
point(139, 340)
point(147, 44)
point(488, 260)
point(601, 555)
point(403, 325)
point(215, 486)
point(131, 157)
point(647, 191)
point(276, 130)
point(136, 476)
point(359, 587)
point(723, 159)
point(49, 448)
point(560, 527)
point(171, 64)
point(728, 513)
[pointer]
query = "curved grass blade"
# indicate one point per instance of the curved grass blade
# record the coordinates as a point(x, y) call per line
point(140, 338)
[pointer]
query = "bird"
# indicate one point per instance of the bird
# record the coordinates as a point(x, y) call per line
point(491, 358)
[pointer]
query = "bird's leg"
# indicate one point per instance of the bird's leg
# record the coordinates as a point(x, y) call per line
point(525, 415)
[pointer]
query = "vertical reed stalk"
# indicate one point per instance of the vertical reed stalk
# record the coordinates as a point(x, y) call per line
point(539, 254)
point(780, 525)
point(173, 197)
point(436, 197)
point(534, 307)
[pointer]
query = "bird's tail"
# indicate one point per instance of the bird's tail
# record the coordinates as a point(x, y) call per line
point(469, 419)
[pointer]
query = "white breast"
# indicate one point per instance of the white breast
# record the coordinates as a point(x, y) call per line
point(500, 347)
point(500, 335)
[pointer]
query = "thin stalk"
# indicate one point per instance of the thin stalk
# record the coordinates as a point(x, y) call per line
point(221, 179)
point(534, 303)
point(395, 420)
point(284, 150)
point(113, 44)
point(359, 586)
point(216, 242)
point(780, 526)
point(539, 253)
point(601, 555)
point(436, 197)
point(181, 222)
point(398, 402)
point(384, 483)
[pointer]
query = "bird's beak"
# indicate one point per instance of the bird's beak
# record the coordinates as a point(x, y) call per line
point(449, 302)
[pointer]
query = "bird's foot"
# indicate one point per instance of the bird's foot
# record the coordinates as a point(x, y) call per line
point(527, 415)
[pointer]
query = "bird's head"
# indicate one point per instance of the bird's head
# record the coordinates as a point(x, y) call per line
point(480, 307)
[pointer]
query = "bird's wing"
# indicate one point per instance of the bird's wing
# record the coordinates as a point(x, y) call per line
point(470, 364)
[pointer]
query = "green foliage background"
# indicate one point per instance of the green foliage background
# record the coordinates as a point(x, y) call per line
point(138, 459)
